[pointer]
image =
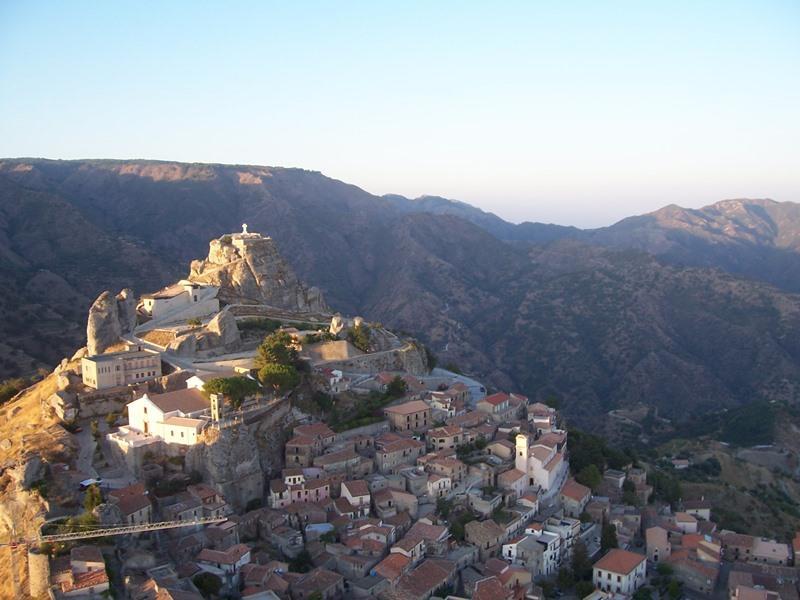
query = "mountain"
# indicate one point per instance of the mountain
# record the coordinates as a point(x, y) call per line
point(590, 317)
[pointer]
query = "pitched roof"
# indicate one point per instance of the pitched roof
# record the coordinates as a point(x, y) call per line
point(490, 589)
point(428, 576)
point(392, 566)
point(575, 491)
point(226, 557)
point(619, 561)
point(496, 399)
point(186, 400)
point(86, 554)
point(357, 487)
point(407, 408)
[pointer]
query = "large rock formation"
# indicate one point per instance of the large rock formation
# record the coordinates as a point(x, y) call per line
point(249, 270)
point(221, 334)
point(229, 460)
point(109, 318)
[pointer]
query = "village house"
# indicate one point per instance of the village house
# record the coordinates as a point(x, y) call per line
point(389, 502)
point(429, 576)
point(452, 468)
point(513, 481)
point(439, 486)
point(393, 566)
point(696, 575)
point(357, 494)
point(771, 552)
point(294, 487)
point(393, 452)
point(502, 449)
point(225, 564)
point(135, 365)
point(485, 535)
point(658, 544)
point(328, 584)
point(85, 574)
point(308, 442)
point(685, 522)
point(574, 498)
point(133, 502)
point(409, 416)
point(212, 502)
point(543, 418)
point(501, 406)
point(619, 572)
point(447, 437)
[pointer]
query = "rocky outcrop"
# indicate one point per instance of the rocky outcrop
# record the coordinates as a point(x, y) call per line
point(229, 460)
point(248, 269)
point(109, 318)
point(224, 327)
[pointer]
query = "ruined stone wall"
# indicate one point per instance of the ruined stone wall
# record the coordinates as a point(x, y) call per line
point(409, 358)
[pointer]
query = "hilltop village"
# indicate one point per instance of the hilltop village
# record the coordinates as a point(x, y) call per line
point(258, 446)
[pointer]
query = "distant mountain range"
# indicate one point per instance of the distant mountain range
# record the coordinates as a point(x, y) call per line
point(682, 310)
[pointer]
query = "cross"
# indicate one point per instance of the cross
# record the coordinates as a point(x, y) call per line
point(244, 227)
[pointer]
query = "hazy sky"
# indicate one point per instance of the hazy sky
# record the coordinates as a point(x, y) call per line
point(569, 112)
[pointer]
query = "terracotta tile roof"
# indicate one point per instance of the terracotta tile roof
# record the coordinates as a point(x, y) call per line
point(428, 576)
point(446, 431)
point(407, 408)
point(226, 557)
point(496, 399)
point(619, 561)
point(80, 581)
point(318, 579)
point(490, 589)
point(186, 401)
point(495, 566)
point(510, 476)
point(427, 531)
point(403, 444)
point(575, 491)
point(393, 566)
point(320, 430)
point(357, 487)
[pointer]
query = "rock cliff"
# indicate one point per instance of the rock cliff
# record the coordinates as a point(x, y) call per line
point(109, 318)
point(249, 270)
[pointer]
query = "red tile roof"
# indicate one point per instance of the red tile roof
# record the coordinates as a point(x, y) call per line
point(619, 561)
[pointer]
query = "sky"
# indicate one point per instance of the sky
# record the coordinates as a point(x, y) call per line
point(577, 113)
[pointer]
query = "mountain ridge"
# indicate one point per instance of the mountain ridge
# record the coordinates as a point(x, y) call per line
point(597, 322)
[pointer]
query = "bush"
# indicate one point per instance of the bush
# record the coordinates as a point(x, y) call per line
point(359, 336)
point(208, 584)
point(234, 389)
point(194, 322)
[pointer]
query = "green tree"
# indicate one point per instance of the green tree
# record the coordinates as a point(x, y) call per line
point(644, 593)
point(277, 348)
point(581, 564)
point(590, 476)
point(194, 322)
point(565, 579)
point(629, 493)
point(301, 563)
point(93, 498)
point(281, 378)
point(396, 387)
point(360, 336)
point(208, 584)
point(234, 389)
point(674, 589)
point(608, 537)
point(664, 569)
point(443, 507)
point(584, 588)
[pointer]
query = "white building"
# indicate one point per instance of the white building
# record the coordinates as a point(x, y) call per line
point(173, 417)
point(545, 466)
point(182, 300)
point(439, 486)
point(620, 573)
point(102, 371)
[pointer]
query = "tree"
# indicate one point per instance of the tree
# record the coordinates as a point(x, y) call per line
point(277, 348)
point(301, 563)
point(396, 387)
point(590, 476)
point(644, 593)
point(359, 336)
point(664, 569)
point(208, 584)
point(443, 507)
point(234, 389)
point(584, 588)
point(194, 322)
point(565, 579)
point(674, 589)
point(608, 538)
point(281, 377)
point(581, 564)
point(92, 499)
point(629, 493)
